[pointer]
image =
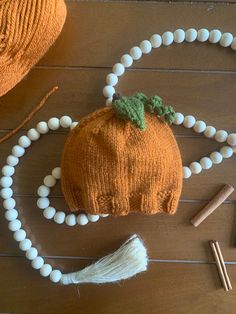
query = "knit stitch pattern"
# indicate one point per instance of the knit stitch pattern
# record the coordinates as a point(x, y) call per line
point(27, 29)
point(109, 165)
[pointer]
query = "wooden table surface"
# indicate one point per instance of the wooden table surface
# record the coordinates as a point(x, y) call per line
point(197, 79)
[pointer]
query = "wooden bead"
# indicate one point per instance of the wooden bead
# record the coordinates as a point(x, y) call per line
point(54, 124)
point(221, 136)
point(145, 46)
point(216, 158)
point(195, 167)
point(186, 172)
point(156, 41)
point(111, 80)
point(179, 36)
point(126, 60)
point(167, 38)
point(226, 151)
point(210, 131)
point(136, 53)
point(206, 163)
point(108, 91)
point(189, 121)
point(226, 40)
point(191, 35)
point(231, 139)
point(118, 69)
point(203, 35)
point(17, 151)
point(199, 126)
point(215, 36)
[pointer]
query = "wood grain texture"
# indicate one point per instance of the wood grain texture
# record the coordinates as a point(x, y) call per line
point(196, 79)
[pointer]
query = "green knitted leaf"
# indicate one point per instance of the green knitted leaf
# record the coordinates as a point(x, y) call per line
point(132, 108)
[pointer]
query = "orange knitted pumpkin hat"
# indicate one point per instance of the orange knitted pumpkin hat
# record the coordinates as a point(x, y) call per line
point(27, 29)
point(122, 159)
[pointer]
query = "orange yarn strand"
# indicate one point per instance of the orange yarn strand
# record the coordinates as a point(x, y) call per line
point(29, 116)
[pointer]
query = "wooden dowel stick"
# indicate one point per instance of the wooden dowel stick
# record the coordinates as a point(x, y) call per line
point(217, 200)
point(223, 265)
point(218, 265)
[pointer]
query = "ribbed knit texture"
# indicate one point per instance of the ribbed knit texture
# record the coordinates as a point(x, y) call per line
point(111, 166)
point(27, 29)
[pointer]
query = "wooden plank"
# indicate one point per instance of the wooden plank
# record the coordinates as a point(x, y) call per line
point(166, 237)
point(111, 29)
point(209, 97)
point(162, 287)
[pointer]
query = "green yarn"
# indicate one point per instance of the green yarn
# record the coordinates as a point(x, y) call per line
point(133, 109)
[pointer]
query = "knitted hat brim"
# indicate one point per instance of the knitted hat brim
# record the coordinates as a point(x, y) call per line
point(14, 69)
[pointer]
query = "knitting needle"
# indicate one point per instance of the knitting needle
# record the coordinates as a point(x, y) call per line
point(218, 265)
point(223, 265)
point(216, 201)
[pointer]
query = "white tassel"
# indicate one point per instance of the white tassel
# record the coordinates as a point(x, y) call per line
point(129, 260)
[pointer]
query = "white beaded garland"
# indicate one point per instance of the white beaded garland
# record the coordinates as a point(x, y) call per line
point(226, 39)
point(31, 253)
point(73, 125)
point(42, 127)
point(118, 69)
point(49, 212)
point(136, 53)
point(156, 41)
point(226, 151)
point(6, 182)
point(25, 245)
point(65, 121)
point(10, 203)
point(49, 181)
point(18, 151)
point(233, 45)
point(145, 46)
point(11, 214)
point(111, 79)
point(24, 141)
point(126, 60)
point(71, 220)
point(8, 171)
point(12, 160)
point(43, 202)
point(199, 127)
point(33, 134)
point(231, 139)
point(179, 36)
point(210, 131)
point(54, 123)
point(179, 118)
point(189, 121)
point(59, 217)
point(82, 219)
point(195, 167)
point(46, 270)
point(221, 136)
point(167, 38)
point(56, 173)
point(190, 35)
point(206, 163)
point(108, 91)
point(14, 225)
point(203, 35)
point(19, 235)
point(6, 193)
point(37, 262)
point(55, 275)
point(215, 36)
point(186, 172)
point(43, 191)
point(216, 157)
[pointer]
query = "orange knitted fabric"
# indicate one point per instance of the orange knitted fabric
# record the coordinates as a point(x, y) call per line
point(111, 166)
point(27, 29)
